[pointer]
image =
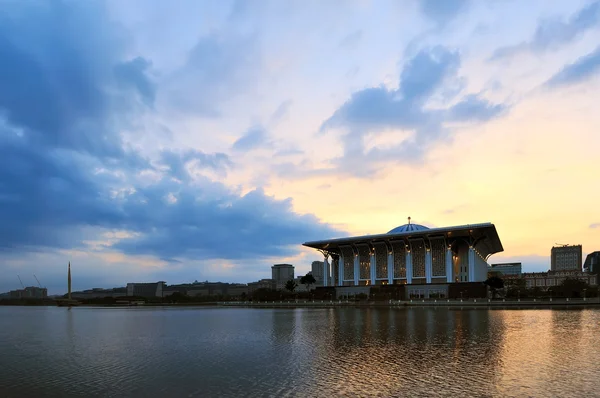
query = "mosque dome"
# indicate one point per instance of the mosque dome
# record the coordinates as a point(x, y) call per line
point(408, 228)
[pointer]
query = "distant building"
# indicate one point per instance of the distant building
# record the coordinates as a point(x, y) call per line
point(29, 292)
point(566, 258)
point(317, 268)
point(544, 280)
point(96, 293)
point(592, 264)
point(261, 284)
point(506, 268)
point(146, 289)
point(281, 273)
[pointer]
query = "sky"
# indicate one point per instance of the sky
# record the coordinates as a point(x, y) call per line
point(144, 140)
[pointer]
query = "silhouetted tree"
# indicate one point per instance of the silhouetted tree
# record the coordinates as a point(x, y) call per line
point(571, 287)
point(291, 285)
point(495, 283)
point(308, 280)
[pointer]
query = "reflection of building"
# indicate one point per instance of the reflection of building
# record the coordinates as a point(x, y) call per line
point(411, 255)
point(146, 289)
point(544, 280)
point(281, 273)
point(565, 258)
point(29, 292)
point(506, 268)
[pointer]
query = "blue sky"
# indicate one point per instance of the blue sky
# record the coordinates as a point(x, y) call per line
point(149, 141)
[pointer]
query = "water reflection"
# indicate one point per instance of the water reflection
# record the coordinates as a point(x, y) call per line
point(303, 352)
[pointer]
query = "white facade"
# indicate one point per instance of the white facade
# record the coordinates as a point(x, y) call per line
point(410, 254)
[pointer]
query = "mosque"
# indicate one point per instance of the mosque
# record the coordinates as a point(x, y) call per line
point(412, 260)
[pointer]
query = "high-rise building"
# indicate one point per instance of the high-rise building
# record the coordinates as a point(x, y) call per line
point(506, 268)
point(317, 272)
point(566, 258)
point(281, 273)
point(592, 263)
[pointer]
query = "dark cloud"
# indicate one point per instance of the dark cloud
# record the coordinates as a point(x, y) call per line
point(228, 226)
point(255, 137)
point(556, 32)
point(68, 89)
point(595, 225)
point(379, 109)
point(580, 70)
point(442, 11)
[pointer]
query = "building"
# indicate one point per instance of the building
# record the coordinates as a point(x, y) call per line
point(506, 268)
point(261, 284)
point(97, 293)
point(592, 263)
point(566, 258)
point(146, 289)
point(316, 270)
point(545, 280)
point(281, 273)
point(427, 262)
point(29, 292)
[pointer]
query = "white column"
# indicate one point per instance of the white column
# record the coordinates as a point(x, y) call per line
point(390, 268)
point(325, 271)
point(373, 268)
point(471, 276)
point(409, 269)
point(341, 271)
point(428, 271)
point(449, 276)
point(356, 270)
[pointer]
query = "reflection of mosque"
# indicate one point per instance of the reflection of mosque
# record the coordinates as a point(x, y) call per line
point(404, 350)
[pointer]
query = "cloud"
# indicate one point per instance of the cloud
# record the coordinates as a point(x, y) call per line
point(228, 226)
point(442, 11)
point(221, 66)
point(351, 39)
point(582, 69)
point(178, 163)
point(595, 225)
point(282, 110)
point(69, 89)
point(254, 138)
point(553, 33)
point(378, 109)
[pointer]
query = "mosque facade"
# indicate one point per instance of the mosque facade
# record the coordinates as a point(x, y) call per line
point(427, 261)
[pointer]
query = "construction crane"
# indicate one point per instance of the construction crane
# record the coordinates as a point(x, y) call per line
point(20, 281)
point(38, 281)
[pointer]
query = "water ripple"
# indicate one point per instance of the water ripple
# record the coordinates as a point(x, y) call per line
point(231, 352)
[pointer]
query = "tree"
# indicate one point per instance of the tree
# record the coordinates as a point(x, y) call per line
point(291, 285)
point(572, 287)
point(495, 283)
point(308, 280)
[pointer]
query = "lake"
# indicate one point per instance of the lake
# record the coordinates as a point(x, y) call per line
point(244, 352)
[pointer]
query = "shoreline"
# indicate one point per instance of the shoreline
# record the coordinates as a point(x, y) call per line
point(475, 303)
